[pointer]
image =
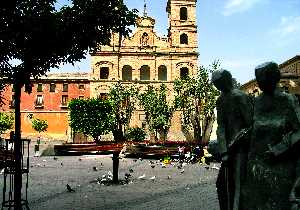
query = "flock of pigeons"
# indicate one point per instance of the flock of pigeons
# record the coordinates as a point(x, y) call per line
point(107, 178)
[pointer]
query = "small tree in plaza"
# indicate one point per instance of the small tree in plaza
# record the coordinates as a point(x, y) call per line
point(39, 125)
point(158, 110)
point(93, 117)
point(196, 98)
point(123, 99)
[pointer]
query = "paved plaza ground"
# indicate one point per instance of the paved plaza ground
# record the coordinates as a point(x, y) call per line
point(171, 189)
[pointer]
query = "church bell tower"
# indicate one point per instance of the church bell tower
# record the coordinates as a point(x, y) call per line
point(182, 24)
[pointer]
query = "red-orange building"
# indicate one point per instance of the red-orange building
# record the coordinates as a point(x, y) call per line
point(48, 101)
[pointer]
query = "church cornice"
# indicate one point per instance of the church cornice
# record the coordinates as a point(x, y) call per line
point(115, 53)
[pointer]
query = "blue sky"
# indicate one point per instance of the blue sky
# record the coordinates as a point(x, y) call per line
point(241, 33)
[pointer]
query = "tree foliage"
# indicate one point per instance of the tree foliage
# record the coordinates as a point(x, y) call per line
point(123, 99)
point(6, 121)
point(93, 117)
point(39, 125)
point(196, 98)
point(136, 134)
point(39, 37)
point(158, 110)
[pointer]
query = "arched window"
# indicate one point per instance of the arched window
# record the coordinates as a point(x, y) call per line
point(126, 72)
point(184, 39)
point(145, 72)
point(183, 13)
point(104, 72)
point(162, 73)
point(184, 71)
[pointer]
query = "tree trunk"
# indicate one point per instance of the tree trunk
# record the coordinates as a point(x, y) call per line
point(17, 147)
point(152, 137)
point(187, 133)
point(197, 124)
point(163, 135)
point(116, 166)
point(118, 135)
point(208, 123)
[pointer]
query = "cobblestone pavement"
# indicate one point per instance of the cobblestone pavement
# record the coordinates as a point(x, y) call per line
point(171, 189)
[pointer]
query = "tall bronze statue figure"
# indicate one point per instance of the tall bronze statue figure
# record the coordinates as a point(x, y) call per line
point(272, 159)
point(234, 117)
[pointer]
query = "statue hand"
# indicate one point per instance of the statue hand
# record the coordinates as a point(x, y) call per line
point(294, 206)
point(225, 158)
point(269, 153)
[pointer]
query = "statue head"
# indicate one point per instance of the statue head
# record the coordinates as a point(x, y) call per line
point(222, 80)
point(267, 76)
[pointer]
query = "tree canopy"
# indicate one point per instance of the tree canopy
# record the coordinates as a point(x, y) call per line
point(123, 99)
point(35, 36)
point(93, 117)
point(158, 110)
point(39, 125)
point(196, 98)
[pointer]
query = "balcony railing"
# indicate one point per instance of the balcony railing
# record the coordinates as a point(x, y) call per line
point(12, 104)
point(39, 104)
point(64, 105)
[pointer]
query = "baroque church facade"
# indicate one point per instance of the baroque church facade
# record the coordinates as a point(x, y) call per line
point(145, 58)
point(141, 59)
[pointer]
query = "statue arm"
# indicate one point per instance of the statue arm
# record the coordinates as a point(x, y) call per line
point(292, 138)
point(221, 131)
point(246, 111)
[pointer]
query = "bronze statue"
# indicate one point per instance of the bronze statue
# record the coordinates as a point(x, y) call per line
point(275, 134)
point(234, 117)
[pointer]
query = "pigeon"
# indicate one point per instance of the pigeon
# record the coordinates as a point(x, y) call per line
point(169, 177)
point(69, 188)
point(215, 167)
point(182, 171)
point(134, 160)
point(2, 171)
point(55, 158)
point(153, 178)
point(95, 168)
point(152, 166)
point(206, 167)
point(127, 175)
point(109, 173)
point(103, 180)
point(131, 170)
point(61, 164)
point(141, 159)
point(151, 162)
point(142, 177)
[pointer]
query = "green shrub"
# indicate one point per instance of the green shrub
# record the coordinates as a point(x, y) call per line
point(136, 134)
point(6, 121)
point(39, 125)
